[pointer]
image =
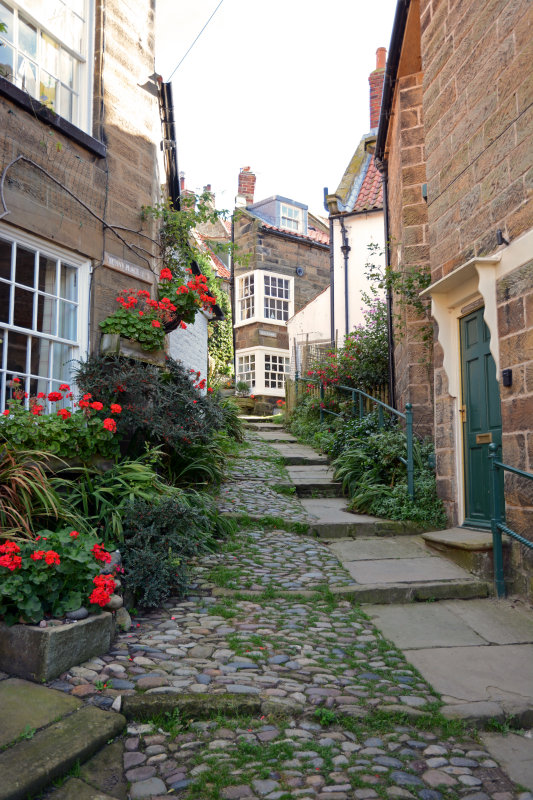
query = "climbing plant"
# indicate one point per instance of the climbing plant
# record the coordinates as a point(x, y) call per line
point(405, 283)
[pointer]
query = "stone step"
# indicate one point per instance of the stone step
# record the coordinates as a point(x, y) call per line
point(313, 488)
point(263, 426)
point(32, 764)
point(426, 591)
point(278, 436)
point(333, 521)
point(468, 547)
point(299, 454)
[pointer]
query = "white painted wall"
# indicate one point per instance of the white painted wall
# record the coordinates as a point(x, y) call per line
point(309, 325)
point(361, 230)
point(190, 345)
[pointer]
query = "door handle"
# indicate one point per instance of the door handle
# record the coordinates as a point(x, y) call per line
point(462, 412)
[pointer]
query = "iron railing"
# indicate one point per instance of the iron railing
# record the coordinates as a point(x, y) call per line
point(497, 516)
point(361, 399)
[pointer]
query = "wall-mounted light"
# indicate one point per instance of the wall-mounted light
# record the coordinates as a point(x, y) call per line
point(500, 237)
point(507, 377)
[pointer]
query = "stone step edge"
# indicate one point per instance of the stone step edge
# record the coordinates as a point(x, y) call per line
point(30, 766)
point(482, 714)
point(389, 593)
point(355, 529)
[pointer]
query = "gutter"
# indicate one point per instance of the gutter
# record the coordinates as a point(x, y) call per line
point(168, 145)
point(391, 71)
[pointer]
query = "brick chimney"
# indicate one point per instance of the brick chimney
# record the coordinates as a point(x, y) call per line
point(375, 80)
point(246, 185)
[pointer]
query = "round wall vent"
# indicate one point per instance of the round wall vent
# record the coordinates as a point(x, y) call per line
point(299, 271)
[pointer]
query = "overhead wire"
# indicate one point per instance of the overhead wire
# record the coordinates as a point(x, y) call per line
point(192, 45)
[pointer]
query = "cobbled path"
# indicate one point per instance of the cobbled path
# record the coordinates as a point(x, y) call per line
point(339, 713)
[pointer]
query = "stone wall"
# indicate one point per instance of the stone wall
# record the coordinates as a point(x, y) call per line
point(478, 120)
point(515, 327)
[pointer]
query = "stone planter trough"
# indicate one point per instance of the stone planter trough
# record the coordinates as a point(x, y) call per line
point(114, 345)
point(40, 654)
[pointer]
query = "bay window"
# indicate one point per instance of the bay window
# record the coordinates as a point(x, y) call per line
point(264, 297)
point(263, 369)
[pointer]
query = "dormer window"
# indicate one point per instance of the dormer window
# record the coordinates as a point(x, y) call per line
point(291, 217)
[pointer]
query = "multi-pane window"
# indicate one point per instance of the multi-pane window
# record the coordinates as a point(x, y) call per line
point(277, 295)
point(290, 217)
point(40, 328)
point(276, 368)
point(246, 369)
point(246, 297)
point(45, 53)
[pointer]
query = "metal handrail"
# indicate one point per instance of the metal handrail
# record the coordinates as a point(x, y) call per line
point(358, 396)
point(497, 513)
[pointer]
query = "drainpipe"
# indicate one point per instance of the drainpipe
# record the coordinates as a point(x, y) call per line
point(382, 167)
point(169, 142)
point(331, 282)
point(345, 248)
point(232, 295)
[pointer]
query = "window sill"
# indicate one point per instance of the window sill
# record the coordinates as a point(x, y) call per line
point(33, 106)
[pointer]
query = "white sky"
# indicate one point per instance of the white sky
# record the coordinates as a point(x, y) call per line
point(277, 85)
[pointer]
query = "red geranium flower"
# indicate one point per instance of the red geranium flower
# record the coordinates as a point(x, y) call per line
point(64, 412)
point(6, 412)
point(115, 408)
point(37, 555)
point(110, 424)
point(41, 396)
point(165, 275)
point(9, 547)
point(55, 396)
point(37, 410)
point(51, 557)
point(156, 323)
point(182, 325)
point(10, 561)
point(97, 405)
point(64, 387)
point(100, 553)
point(74, 534)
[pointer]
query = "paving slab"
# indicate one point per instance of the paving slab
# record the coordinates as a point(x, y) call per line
point(501, 674)
point(310, 472)
point(404, 570)
point(26, 706)
point(277, 436)
point(367, 549)
point(74, 789)
point(496, 621)
point(422, 626)
point(298, 453)
point(515, 754)
point(333, 510)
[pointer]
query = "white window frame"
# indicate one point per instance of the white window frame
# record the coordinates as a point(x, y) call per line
point(291, 218)
point(246, 285)
point(261, 355)
point(82, 118)
point(259, 298)
point(249, 373)
point(78, 346)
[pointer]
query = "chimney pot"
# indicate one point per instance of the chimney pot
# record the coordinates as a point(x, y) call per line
point(375, 79)
point(381, 57)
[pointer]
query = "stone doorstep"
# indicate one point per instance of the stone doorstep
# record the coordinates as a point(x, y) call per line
point(41, 654)
point(31, 765)
point(468, 548)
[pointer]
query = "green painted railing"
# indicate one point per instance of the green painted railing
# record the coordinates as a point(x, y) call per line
point(497, 515)
point(358, 409)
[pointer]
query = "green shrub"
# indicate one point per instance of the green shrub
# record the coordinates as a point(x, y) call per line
point(159, 538)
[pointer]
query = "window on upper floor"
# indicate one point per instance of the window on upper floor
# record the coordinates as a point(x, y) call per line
point(277, 297)
point(46, 52)
point(43, 315)
point(246, 297)
point(291, 217)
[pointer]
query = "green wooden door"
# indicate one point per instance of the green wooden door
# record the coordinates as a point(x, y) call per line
point(481, 414)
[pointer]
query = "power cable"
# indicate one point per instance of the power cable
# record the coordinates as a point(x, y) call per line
point(192, 45)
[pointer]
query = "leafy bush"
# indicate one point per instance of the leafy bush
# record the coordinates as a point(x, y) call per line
point(362, 361)
point(101, 497)
point(163, 408)
point(55, 573)
point(28, 498)
point(159, 539)
point(375, 479)
point(83, 433)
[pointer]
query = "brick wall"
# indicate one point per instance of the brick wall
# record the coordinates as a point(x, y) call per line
point(408, 234)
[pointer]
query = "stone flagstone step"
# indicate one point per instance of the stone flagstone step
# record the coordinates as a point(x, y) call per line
point(298, 454)
point(47, 749)
point(333, 521)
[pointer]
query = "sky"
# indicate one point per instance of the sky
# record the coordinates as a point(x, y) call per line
point(280, 86)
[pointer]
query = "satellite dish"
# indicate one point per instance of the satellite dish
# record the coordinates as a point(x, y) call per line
point(299, 271)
